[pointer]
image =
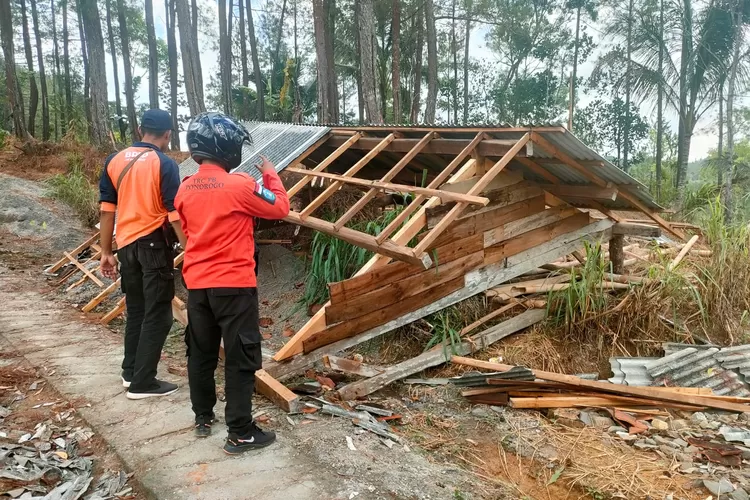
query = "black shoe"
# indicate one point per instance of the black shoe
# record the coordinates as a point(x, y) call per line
point(156, 389)
point(126, 380)
point(254, 439)
point(203, 425)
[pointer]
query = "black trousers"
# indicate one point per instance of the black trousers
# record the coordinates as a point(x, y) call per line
point(147, 270)
point(230, 314)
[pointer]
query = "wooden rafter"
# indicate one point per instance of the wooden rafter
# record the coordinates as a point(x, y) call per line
point(83, 246)
point(461, 130)
point(436, 182)
point(588, 192)
point(376, 186)
point(476, 189)
point(623, 192)
point(489, 147)
point(330, 190)
point(324, 164)
point(392, 173)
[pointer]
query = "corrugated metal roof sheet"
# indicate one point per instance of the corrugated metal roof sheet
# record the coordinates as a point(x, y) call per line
point(282, 143)
point(630, 371)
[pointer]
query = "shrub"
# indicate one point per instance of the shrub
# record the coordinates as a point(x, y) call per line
point(75, 189)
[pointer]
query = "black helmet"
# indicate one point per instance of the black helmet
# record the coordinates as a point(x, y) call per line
point(215, 136)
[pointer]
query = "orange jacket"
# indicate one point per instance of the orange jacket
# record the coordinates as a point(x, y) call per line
point(216, 212)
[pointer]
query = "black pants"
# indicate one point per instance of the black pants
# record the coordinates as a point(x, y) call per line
point(231, 314)
point(147, 272)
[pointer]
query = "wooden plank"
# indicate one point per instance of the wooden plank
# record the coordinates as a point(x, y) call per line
point(83, 246)
point(503, 180)
point(436, 182)
point(458, 130)
point(325, 163)
point(526, 224)
point(587, 401)
point(84, 270)
point(397, 168)
point(330, 190)
point(102, 296)
point(378, 317)
point(593, 192)
point(510, 290)
point(484, 319)
point(653, 215)
point(391, 293)
point(643, 392)
point(537, 169)
point(351, 366)
point(276, 392)
point(179, 311)
point(513, 246)
point(116, 311)
point(363, 240)
point(449, 147)
point(437, 357)
point(373, 280)
point(641, 230)
point(427, 241)
point(443, 195)
point(477, 281)
point(684, 252)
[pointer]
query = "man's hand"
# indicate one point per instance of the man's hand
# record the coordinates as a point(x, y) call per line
point(109, 266)
point(266, 165)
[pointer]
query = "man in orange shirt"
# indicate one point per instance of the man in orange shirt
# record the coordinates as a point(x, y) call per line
point(140, 184)
point(217, 211)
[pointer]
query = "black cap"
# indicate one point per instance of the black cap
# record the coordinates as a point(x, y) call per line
point(156, 119)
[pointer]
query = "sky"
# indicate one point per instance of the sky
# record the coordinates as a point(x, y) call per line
point(704, 140)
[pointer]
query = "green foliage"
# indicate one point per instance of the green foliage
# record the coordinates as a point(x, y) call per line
point(75, 189)
point(446, 325)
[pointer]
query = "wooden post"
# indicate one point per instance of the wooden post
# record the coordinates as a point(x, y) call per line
point(617, 253)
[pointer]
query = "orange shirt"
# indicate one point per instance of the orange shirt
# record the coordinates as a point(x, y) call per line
point(146, 195)
point(216, 211)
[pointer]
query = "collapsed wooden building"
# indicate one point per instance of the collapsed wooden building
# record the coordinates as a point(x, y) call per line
point(485, 205)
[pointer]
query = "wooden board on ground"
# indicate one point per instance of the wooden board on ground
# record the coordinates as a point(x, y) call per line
point(277, 392)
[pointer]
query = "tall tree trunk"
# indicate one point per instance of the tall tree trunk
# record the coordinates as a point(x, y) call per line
point(685, 128)
point(729, 174)
point(66, 62)
point(86, 73)
point(33, 89)
point(660, 106)
point(129, 93)
point(42, 74)
point(467, 38)
point(628, 77)
point(99, 102)
point(172, 54)
point(366, 34)
point(275, 61)
point(432, 62)
point(720, 149)
point(333, 89)
point(417, 95)
point(243, 46)
point(190, 58)
point(325, 107)
point(198, 69)
point(574, 74)
point(358, 63)
point(454, 51)
point(116, 69)
point(14, 97)
point(297, 115)
point(153, 57)
point(396, 60)
point(223, 67)
point(56, 73)
point(259, 88)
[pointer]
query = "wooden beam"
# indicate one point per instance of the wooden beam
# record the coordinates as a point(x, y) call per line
point(553, 161)
point(439, 356)
point(641, 230)
point(409, 230)
point(330, 190)
point(457, 130)
point(568, 191)
point(609, 213)
point(477, 281)
point(101, 297)
point(446, 147)
point(605, 387)
point(617, 254)
point(83, 246)
point(397, 168)
point(588, 401)
point(436, 182)
point(540, 219)
point(351, 366)
point(325, 163)
point(86, 271)
point(425, 243)
point(276, 392)
point(116, 311)
point(684, 252)
point(537, 169)
point(653, 215)
point(363, 240)
point(376, 186)
point(504, 179)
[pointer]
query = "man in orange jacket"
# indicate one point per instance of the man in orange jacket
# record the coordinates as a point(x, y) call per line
point(217, 211)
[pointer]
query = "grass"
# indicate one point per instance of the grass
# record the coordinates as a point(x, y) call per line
point(332, 260)
point(75, 189)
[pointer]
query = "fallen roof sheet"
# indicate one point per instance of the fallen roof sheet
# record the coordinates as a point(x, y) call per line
point(282, 143)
